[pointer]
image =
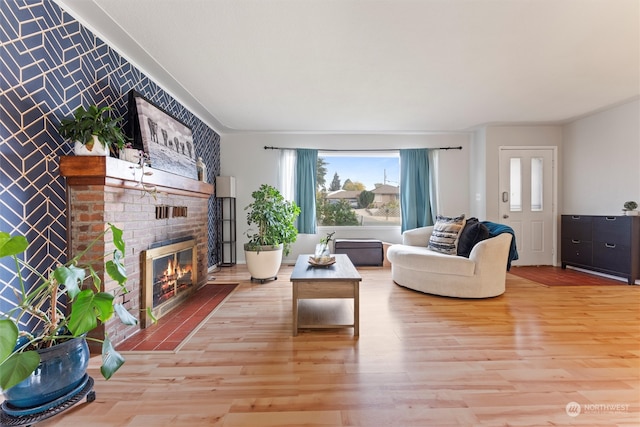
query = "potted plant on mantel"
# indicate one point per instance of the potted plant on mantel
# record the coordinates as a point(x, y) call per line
point(275, 218)
point(39, 367)
point(93, 131)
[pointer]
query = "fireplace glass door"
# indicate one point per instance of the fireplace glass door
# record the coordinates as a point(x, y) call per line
point(169, 271)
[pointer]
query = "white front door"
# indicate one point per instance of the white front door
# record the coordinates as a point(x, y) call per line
point(527, 187)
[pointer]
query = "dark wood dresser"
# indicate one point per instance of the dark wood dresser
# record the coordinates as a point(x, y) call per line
point(607, 244)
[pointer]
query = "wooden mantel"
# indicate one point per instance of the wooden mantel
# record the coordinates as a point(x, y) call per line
point(109, 171)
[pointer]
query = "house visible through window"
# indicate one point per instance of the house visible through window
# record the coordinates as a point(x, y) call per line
point(359, 189)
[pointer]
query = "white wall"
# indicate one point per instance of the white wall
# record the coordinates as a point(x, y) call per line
point(243, 156)
point(601, 166)
point(598, 166)
point(478, 175)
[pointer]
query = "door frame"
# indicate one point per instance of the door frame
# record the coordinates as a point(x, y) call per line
point(554, 186)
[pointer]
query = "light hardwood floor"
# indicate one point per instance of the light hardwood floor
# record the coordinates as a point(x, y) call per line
point(518, 360)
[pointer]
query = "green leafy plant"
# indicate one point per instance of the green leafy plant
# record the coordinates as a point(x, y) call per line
point(324, 243)
point(328, 238)
point(365, 198)
point(336, 214)
point(45, 302)
point(93, 121)
point(275, 218)
point(322, 249)
point(630, 206)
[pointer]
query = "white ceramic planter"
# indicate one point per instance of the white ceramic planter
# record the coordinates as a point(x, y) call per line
point(98, 149)
point(264, 264)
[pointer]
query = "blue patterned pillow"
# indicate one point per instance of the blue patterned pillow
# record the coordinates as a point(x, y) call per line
point(446, 231)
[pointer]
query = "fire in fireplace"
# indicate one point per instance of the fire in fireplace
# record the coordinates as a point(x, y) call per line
point(169, 271)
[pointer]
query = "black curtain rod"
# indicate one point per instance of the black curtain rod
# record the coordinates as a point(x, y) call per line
point(266, 147)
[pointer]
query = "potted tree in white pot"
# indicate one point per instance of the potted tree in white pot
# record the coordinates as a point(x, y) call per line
point(93, 131)
point(47, 361)
point(275, 218)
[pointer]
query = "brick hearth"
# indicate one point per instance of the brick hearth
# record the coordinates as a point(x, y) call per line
point(103, 190)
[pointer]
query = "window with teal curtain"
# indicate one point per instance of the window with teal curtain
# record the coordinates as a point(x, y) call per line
point(305, 189)
point(415, 200)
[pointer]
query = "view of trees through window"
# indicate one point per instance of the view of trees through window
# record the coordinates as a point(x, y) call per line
point(358, 190)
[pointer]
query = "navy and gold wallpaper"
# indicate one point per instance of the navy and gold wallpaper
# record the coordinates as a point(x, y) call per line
point(49, 65)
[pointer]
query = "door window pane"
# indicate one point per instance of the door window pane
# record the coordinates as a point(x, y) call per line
point(536, 184)
point(515, 190)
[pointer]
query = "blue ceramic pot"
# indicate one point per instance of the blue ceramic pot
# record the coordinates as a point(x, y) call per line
point(62, 367)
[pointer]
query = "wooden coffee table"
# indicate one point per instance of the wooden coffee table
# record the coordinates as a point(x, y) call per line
point(340, 280)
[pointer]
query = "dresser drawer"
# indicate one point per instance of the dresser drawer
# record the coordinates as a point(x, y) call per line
point(576, 251)
point(576, 227)
point(609, 244)
point(615, 230)
point(613, 257)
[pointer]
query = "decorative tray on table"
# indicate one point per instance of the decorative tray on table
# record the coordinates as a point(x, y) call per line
point(319, 262)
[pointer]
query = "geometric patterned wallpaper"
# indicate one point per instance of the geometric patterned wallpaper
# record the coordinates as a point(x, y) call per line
point(49, 65)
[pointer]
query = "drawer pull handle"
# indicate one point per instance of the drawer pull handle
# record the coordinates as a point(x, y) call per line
point(609, 245)
point(575, 241)
point(575, 217)
point(610, 218)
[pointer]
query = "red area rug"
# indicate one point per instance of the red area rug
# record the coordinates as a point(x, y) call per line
point(556, 276)
point(173, 328)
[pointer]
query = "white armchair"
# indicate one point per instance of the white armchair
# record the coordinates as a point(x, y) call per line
point(482, 275)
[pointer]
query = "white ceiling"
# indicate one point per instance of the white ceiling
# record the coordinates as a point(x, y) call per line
point(378, 65)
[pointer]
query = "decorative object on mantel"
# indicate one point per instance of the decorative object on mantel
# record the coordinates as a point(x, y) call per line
point(630, 208)
point(167, 140)
point(130, 154)
point(202, 170)
point(143, 161)
point(275, 217)
point(93, 131)
point(25, 378)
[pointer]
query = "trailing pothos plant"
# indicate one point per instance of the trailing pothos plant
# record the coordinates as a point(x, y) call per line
point(45, 304)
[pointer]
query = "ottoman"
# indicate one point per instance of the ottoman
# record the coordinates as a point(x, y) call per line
point(362, 252)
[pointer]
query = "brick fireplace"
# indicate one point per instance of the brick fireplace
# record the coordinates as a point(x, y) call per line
point(169, 208)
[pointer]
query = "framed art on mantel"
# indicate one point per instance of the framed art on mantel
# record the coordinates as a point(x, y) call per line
point(167, 140)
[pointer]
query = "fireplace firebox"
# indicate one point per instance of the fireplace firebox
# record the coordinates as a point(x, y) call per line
point(170, 273)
